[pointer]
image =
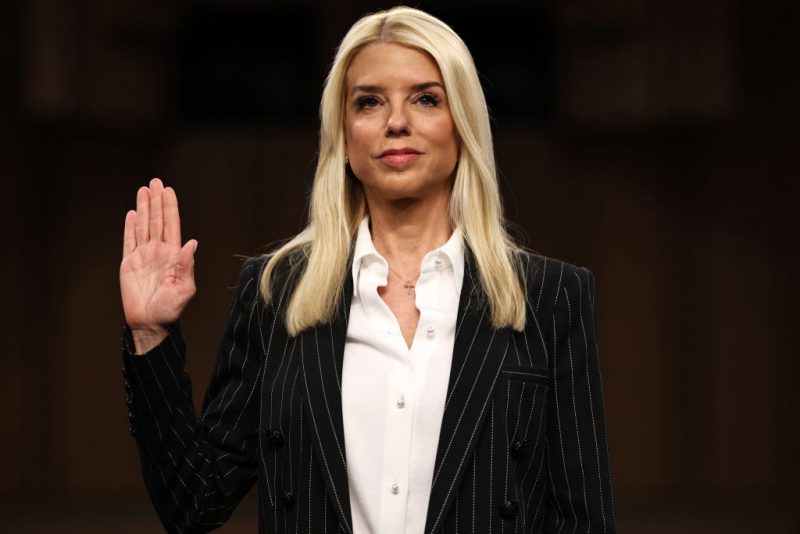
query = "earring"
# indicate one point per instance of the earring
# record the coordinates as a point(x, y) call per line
point(346, 159)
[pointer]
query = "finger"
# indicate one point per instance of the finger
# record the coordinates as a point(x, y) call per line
point(129, 236)
point(172, 219)
point(142, 216)
point(156, 210)
point(184, 269)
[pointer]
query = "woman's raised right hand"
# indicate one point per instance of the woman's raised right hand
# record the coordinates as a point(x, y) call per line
point(156, 276)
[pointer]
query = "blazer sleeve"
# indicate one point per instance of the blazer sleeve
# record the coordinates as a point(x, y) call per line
point(580, 492)
point(197, 469)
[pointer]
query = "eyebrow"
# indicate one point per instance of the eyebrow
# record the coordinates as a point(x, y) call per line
point(379, 89)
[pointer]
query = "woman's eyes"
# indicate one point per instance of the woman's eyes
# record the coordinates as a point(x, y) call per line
point(367, 102)
point(424, 99)
point(428, 99)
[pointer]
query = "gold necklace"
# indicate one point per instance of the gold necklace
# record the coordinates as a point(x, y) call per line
point(408, 285)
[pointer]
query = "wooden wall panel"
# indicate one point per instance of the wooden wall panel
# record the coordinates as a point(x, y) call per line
point(13, 439)
point(741, 349)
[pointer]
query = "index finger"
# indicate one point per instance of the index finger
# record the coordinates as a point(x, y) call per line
point(172, 220)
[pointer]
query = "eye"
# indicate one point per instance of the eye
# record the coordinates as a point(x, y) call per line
point(367, 102)
point(428, 100)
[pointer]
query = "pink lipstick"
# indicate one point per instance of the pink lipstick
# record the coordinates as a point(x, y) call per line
point(399, 156)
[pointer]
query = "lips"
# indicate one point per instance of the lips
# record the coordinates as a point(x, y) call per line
point(399, 156)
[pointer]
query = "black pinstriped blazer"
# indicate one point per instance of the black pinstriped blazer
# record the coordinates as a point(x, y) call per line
point(523, 436)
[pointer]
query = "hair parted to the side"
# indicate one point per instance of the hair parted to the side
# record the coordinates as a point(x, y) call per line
point(337, 200)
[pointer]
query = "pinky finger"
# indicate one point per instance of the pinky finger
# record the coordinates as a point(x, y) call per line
point(129, 236)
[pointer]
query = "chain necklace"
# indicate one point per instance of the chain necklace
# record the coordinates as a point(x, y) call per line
point(408, 285)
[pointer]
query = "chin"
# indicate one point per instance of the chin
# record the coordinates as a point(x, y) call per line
point(396, 186)
point(404, 186)
point(400, 194)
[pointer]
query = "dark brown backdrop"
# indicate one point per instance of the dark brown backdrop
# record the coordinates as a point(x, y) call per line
point(666, 137)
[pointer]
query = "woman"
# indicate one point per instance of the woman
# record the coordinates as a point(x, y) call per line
point(400, 365)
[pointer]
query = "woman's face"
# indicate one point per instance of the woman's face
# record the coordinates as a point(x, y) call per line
point(400, 137)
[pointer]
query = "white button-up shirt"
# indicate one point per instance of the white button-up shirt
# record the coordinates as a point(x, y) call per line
point(393, 396)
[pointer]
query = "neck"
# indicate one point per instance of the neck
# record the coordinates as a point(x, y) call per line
point(404, 231)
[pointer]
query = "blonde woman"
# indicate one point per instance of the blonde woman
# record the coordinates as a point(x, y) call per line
point(400, 366)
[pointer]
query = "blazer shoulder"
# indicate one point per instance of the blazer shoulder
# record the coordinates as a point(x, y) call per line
point(546, 279)
point(248, 284)
point(254, 265)
point(284, 275)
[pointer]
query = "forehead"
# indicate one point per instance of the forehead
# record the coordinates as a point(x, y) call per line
point(386, 64)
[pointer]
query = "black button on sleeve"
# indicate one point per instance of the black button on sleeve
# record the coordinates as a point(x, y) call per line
point(288, 499)
point(509, 509)
point(518, 448)
point(275, 438)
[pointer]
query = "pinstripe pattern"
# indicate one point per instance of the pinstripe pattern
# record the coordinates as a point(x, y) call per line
point(523, 443)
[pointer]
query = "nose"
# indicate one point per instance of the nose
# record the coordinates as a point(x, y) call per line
point(397, 124)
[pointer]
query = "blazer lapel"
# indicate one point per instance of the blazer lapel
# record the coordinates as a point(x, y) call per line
point(478, 354)
point(322, 354)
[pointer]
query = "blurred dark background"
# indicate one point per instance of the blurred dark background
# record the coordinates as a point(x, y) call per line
point(652, 141)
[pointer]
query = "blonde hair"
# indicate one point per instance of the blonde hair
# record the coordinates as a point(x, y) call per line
point(338, 203)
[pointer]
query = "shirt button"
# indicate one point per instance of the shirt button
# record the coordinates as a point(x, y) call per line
point(395, 488)
point(401, 402)
point(438, 263)
point(430, 330)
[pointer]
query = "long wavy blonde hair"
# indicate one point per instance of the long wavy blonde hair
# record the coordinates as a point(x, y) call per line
point(338, 203)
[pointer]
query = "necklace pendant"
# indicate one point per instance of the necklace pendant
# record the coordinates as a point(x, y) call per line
point(409, 286)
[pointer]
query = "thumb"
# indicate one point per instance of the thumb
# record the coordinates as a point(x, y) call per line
point(185, 265)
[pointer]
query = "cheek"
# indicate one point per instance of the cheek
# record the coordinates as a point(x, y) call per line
point(359, 148)
point(359, 137)
point(442, 133)
point(445, 138)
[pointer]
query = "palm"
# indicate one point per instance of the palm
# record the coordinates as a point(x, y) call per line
point(152, 293)
point(156, 274)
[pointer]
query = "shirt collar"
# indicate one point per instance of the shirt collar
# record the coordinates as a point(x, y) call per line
point(364, 248)
point(453, 250)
